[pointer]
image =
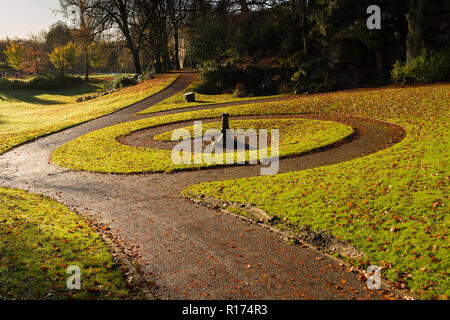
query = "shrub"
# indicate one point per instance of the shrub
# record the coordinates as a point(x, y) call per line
point(124, 81)
point(218, 79)
point(255, 80)
point(48, 81)
point(147, 75)
point(52, 81)
point(87, 97)
point(209, 42)
point(425, 68)
point(5, 84)
point(240, 91)
point(93, 96)
point(110, 85)
point(312, 76)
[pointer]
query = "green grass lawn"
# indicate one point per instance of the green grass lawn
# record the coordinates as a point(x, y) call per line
point(311, 130)
point(39, 240)
point(177, 101)
point(99, 151)
point(109, 75)
point(28, 114)
point(392, 205)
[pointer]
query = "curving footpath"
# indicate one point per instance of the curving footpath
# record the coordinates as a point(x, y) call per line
point(187, 250)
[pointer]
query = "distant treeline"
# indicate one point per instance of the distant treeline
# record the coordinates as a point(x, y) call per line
point(313, 43)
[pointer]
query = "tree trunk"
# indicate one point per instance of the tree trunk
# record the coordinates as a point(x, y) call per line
point(414, 40)
point(165, 59)
point(164, 51)
point(177, 50)
point(86, 66)
point(136, 60)
point(158, 64)
point(305, 43)
point(379, 53)
point(131, 44)
point(303, 26)
point(293, 12)
point(298, 8)
point(244, 6)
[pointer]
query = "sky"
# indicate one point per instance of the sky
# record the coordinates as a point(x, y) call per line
point(19, 18)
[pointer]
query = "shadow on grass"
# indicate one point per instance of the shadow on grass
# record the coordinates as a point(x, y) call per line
point(32, 96)
point(35, 257)
point(28, 96)
point(41, 279)
point(85, 88)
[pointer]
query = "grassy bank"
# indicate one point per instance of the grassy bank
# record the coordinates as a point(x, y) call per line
point(28, 114)
point(99, 151)
point(39, 240)
point(392, 205)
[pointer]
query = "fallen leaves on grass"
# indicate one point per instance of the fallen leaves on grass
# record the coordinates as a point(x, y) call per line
point(39, 239)
point(392, 205)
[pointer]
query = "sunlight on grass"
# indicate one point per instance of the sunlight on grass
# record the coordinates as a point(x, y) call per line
point(39, 239)
point(99, 151)
point(392, 205)
point(26, 115)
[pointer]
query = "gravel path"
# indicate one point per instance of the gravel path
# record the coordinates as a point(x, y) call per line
point(190, 251)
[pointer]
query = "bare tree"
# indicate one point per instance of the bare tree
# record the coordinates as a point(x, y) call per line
point(415, 38)
point(157, 33)
point(298, 10)
point(87, 27)
point(127, 17)
point(177, 12)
